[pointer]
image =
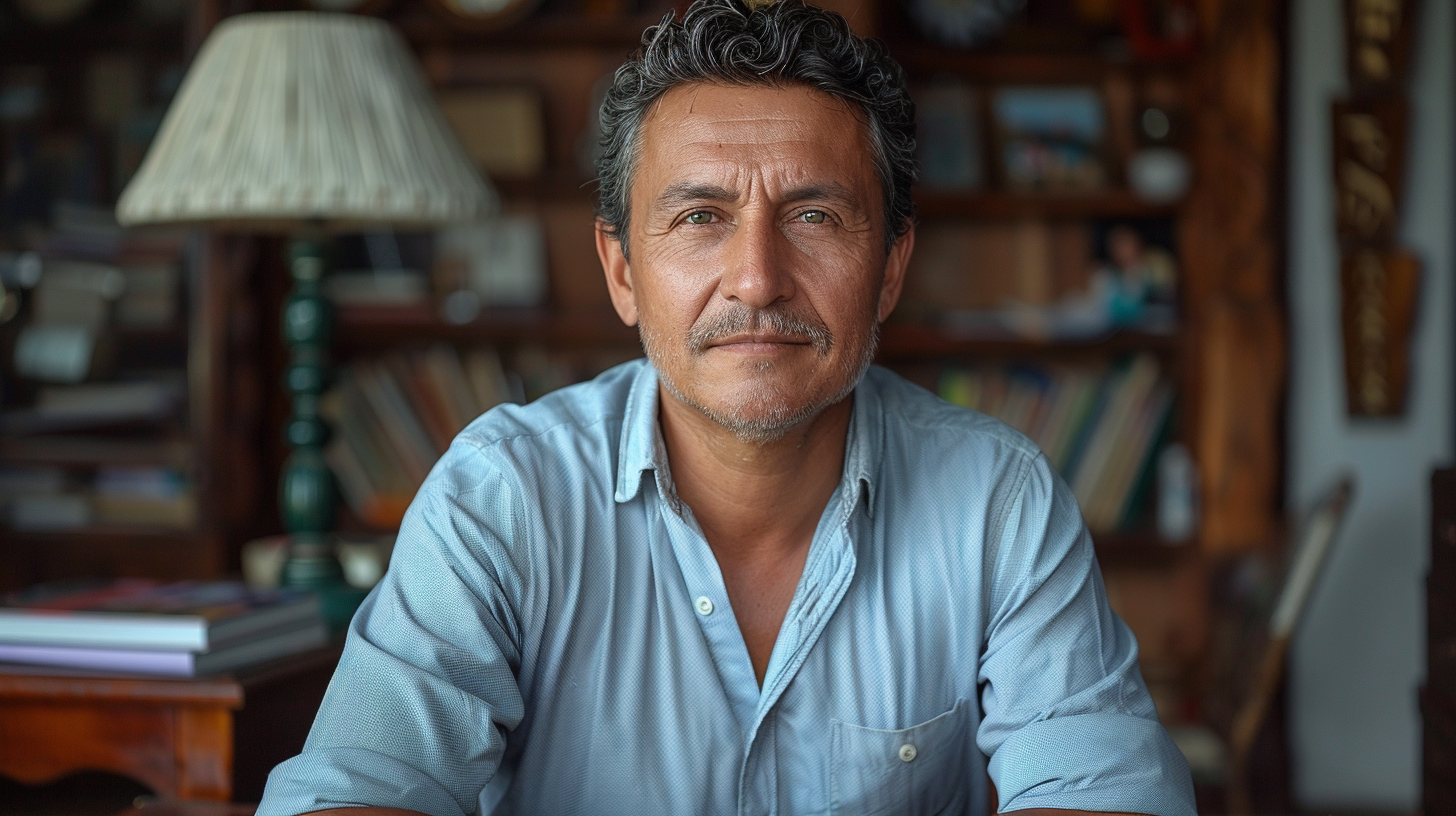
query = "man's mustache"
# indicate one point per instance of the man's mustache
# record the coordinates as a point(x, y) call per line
point(776, 320)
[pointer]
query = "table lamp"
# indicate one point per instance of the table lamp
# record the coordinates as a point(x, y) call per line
point(307, 124)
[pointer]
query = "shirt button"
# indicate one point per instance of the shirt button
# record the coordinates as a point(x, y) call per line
point(908, 753)
point(705, 606)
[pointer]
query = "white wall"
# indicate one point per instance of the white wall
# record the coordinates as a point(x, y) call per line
point(1360, 654)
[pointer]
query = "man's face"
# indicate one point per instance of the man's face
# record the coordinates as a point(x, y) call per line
point(758, 271)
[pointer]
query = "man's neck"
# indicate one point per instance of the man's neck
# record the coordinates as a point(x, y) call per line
point(754, 500)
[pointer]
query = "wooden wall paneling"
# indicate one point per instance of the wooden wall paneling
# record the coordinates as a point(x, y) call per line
point(1230, 250)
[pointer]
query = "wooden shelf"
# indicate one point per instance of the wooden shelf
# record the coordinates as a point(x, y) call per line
point(1024, 68)
point(99, 536)
point(902, 341)
point(427, 30)
point(1001, 205)
point(1133, 549)
point(87, 451)
point(364, 330)
point(549, 187)
point(27, 42)
point(31, 556)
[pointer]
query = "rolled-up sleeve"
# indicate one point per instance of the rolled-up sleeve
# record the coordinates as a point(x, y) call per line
point(1067, 720)
point(416, 714)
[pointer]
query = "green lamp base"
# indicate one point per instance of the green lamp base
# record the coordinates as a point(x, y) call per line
point(321, 574)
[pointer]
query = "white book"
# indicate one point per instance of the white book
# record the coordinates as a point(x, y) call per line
point(166, 662)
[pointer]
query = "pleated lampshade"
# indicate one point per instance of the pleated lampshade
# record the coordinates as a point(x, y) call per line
point(294, 118)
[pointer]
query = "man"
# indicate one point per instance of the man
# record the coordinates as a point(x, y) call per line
point(749, 577)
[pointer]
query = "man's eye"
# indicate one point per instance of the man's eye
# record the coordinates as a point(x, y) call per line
point(814, 217)
point(700, 217)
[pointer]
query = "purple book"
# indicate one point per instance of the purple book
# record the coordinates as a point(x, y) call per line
point(171, 663)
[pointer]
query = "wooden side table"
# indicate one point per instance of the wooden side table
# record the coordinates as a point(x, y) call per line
point(172, 807)
point(180, 737)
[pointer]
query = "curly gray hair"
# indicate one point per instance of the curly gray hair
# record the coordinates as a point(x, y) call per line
point(773, 44)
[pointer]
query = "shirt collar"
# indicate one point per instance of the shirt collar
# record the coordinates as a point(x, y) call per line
point(641, 446)
point(863, 450)
point(638, 450)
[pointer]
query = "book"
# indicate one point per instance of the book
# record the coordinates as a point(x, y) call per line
point(278, 643)
point(77, 407)
point(361, 429)
point(1125, 392)
point(185, 616)
point(399, 422)
point(422, 398)
point(373, 507)
point(487, 378)
point(395, 415)
point(1130, 458)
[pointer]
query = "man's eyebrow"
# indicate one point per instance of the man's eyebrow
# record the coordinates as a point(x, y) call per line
point(821, 191)
point(687, 192)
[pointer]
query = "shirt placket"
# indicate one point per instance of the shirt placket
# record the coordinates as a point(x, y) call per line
point(827, 573)
point(708, 599)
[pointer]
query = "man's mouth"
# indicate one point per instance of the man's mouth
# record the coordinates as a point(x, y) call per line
point(746, 342)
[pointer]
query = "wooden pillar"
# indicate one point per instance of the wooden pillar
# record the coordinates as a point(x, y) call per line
point(1232, 274)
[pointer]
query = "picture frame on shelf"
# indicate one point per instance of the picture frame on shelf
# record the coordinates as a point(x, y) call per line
point(1051, 139)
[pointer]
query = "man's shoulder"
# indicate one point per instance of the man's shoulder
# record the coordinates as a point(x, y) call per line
point(913, 416)
point(579, 421)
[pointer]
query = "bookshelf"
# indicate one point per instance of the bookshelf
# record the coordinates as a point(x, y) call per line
point(159, 484)
point(1222, 358)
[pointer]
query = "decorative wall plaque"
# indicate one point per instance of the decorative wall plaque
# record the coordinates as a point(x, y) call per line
point(1378, 302)
point(1377, 43)
point(1378, 281)
point(1369, 140)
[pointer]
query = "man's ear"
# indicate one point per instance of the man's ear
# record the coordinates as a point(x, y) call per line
point(895, 267)
point(618, 272)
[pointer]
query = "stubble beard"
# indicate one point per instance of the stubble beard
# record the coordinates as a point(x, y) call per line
point(766, 414)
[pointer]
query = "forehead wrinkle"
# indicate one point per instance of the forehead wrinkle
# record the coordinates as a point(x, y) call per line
point(736, 153)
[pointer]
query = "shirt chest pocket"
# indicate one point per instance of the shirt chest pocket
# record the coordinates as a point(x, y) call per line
point(921, 770)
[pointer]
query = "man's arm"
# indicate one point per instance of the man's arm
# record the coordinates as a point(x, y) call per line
point(417, 713)
point(1056, 812)
point(1068, 723)
point(365, 811)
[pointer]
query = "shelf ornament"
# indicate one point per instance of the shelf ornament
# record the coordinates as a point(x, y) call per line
point(963, 23)
point(1379, 282)
point(306, 124)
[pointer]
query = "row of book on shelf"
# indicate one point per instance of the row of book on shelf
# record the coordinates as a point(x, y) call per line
point(86, 380)
point(139, 626)
point(396, 414)
point(48, 497)
point(1098, 428)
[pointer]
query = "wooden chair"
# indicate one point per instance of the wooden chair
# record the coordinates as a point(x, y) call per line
point(1225, 757)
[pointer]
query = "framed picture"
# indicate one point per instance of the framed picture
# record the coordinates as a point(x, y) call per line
point(1050, 138)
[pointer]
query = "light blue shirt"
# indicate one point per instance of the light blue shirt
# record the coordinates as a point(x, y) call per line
point(553, 636)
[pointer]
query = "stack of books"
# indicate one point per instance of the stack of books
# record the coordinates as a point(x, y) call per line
point(1438, 696)
point(1099, 429)
point(138, 626)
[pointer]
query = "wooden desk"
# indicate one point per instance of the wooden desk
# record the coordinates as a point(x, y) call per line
point(207, 738)
point(172, 807)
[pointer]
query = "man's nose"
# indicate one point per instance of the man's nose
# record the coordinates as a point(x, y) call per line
point(756, 264)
